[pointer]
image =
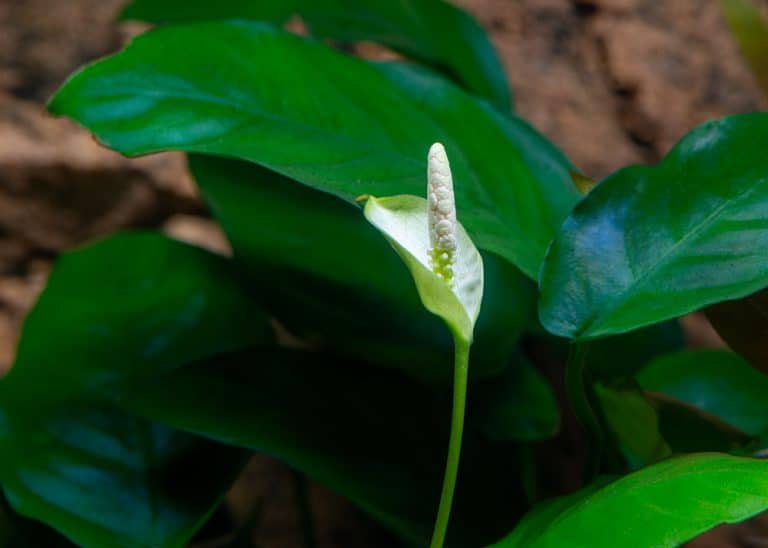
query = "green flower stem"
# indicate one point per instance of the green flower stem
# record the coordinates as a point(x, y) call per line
point(461, 368)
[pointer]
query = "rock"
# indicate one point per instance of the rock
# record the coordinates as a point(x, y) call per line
point(17, 295)
point(59, 188)
point(615, 82)
point(41, 42)
point(198, 231)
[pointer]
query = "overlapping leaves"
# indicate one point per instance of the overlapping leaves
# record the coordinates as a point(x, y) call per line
point(363, 129)
point(69, 457)
point(423, 29)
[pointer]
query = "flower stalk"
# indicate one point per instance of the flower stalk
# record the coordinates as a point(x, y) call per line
point(441, 218)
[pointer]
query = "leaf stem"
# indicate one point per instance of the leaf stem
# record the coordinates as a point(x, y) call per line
point(460, 370)
point(578, 388)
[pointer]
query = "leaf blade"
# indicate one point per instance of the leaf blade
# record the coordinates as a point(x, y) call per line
point(663, 233)
point(73, 460)
point(347, 137)
point(718, 382)
point(662, 505)
point(423, 29)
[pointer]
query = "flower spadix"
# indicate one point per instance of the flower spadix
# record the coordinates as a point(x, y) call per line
point(440, 255)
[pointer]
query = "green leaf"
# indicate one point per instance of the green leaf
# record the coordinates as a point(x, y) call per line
point(743, 324)
point(653, 243)
point(372, 435)
point(662, 506)
point(750, 28)
point(180, 11)
point(518, 405)
point(104, 478)
point(403, 221)
point(544, 513)
point(363, 129)
point(131, 306)
point(433, 31)
point(327, 269)
point(649, 427)
point(7, 525)
point(634, 424)
point(19, 532)
point(621, 356)
point(688, 429)
point(717, 382)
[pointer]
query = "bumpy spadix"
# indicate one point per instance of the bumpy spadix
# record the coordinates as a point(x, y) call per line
point(441, 215)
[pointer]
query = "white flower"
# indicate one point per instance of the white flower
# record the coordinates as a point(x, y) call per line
point(441, 215)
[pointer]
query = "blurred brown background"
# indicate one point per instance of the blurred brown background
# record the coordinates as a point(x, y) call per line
point(612, 82)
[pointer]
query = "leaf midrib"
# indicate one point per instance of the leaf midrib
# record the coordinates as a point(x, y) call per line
point(664, 260)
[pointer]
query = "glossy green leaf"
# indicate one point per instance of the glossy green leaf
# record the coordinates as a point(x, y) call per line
point(653, 243)
point(518, 405)
point(372, 435)
point(403, 221)
point(126, 307)
point(363, 129)
point(750, 28)
point(717, 382)
point(104, 478)
point(181, 11)
point(662, 506)
point(334, 280)
point(434, 31)
point(743, 324)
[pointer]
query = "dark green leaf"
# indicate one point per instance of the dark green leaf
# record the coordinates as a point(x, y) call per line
point(104, 478)
point(333, 279)
point(653, 243)
point(370, 434)
point(717, 382)
point(662, 506)
point(132, 304)
point(430, 30)
point(649, 427)
point(363, 129)
point(19, 532)
point(750, 28)
point(634, 424)
point(621, 356)
point(519, 405)
point(688, 429)
point(129, 306)
point(6, 523)
point(179, 11)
